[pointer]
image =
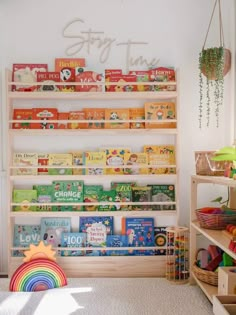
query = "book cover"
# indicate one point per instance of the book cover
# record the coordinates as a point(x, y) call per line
point(140, 231)
point(123, 194)
point(44, 194)
point(94, 114)
point(116, 115)
point(62, 116)
point(43, 161)
point(138, 161)
point(108, 74)
point(137, 114)
point(60, 159)
point(73, 239)
point(142, 76)
point(88, 77)
point(24, 160)
point(97, 229)
point(48, 78)
point(26, 73)
point(160, 240)
point(95, 161)
point(163, 193)
point(141, 194)
point(67, 191)
point(24, 235)
point(43, 115)
point(77, 158)
point(69, 68)
point(158, 111)
point(92, 194)
point(163, 74)
point(52, 229)
point(107, 196)
point(76, 115)
point(121, 85)
point(115, 158)
point(117, 241)
point(25, 196)
point(22, 114)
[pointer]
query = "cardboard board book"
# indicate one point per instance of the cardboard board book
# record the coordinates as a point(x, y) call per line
point(107, 196)
point(116, 115)
point(76, 115)
point(43, 115)
point(120, 83)
point(48, 78)
point(163, 193)
point(92, 194)
point(108, 74)
point(115, 158)
point(94, 114)
point(24, 160)
point(60, 160)
point(137, 114)
point(159, 111)
point(73, 239)
point(141, 194)
point(22, 114)
point(88, 77)
point(44, 195)
point(123, 194)
point(25, 196)
point(138, 161)
point(142, 76)
point(95, 162)
point(163, 74)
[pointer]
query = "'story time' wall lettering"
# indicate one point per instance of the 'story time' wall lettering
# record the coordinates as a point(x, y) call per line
point(88, 39)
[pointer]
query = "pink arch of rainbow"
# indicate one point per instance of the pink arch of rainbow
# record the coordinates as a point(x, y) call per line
point(37, 275)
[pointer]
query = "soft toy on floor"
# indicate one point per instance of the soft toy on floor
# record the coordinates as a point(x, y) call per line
point(39, 271)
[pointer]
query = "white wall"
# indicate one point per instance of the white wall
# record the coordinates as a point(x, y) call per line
point(31, 32)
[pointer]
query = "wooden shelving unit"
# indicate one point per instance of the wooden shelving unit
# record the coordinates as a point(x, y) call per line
point(127, 266)
point(216, 237)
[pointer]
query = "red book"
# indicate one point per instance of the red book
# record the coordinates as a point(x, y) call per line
point(88, 77)
point(49, 78)
point(43, 115)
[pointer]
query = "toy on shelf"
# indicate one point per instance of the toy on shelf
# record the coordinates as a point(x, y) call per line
point(177, 254)
point(39, 272)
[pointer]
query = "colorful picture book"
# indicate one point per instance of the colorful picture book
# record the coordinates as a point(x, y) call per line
point(71, 240)
point(163, 193)
point(88, 77)
point(116, 115)
point(95, 161)
point(92, 194)
point(62, 116)
point(24, 235)
point(43, 161)
point(24, 160)
point(115, 158)
point(94, 114)
point(22, 114)
point(160, 240)
point(24, 196)
point(76, 115)
point(43, 115)
point(77, 160)
point(141, 194)
point(159, 111)
point(136, 161)
point(123, 194)
point(117, 241)
point(60, 159)
point(48, 78)
point(44, 195)
point(107, 196)
point(137, 114)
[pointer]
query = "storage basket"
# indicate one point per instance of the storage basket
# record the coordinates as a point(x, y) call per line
point(205, 166)
point(203, 275)
point(215, 221)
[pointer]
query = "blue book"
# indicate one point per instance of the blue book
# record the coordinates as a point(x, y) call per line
point(24, 235)
point(117, 241)
point(73, 240)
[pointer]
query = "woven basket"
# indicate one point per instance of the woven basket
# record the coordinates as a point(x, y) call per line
point(205, 166)
point(215, 221)
point(203, 275)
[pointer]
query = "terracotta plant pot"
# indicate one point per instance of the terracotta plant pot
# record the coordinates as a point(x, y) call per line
point(227, 65)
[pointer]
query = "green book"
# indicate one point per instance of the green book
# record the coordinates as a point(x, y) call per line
point(107, 196)
point(92, 194)
point(44, 193)
point(25, 196)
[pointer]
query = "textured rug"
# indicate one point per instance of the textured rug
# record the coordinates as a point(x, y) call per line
point(106, 296)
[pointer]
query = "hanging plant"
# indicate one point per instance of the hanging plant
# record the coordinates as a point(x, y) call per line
point(214, 64)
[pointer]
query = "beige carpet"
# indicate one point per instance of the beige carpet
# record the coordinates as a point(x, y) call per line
point(141, 296)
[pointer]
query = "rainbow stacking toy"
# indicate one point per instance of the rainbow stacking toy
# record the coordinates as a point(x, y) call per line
point(39, 271)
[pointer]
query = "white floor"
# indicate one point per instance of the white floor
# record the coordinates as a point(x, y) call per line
point(138, 296)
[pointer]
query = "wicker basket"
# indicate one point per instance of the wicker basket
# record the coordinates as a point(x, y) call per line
point(203, 275)
point(205, 166)
point(215, 221)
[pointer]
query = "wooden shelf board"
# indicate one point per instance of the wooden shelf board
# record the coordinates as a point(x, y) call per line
point(220, 180)
point(208, 289)
point(216, 237)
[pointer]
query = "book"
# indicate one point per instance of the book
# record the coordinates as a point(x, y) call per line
point(159, 111)
point(88, 77)
point(69, 68)
point(67, 192)
point(121, 80)
point(94, 114)
point(24, 235)
point(162, 74)
point(137, 114)
point(52, 229)
point(123, 194)
point(108, 74)
point(62, 116)
point(60, 159)
point(77, 158)
point(163, 193)
point(24, 160)
point(141, 194)
point(115, 158)
point(48, 78)
point(43, 161)
point(95, 161)
point(160, 240)
point(73, 239)
point(116, 115)
point(92, 194)
point(26, 73)
point(117, 240)
point(22, 114)
point(107, 196)
point(142, 76)
point(44, 195)
point(25, 196)
point(43, 115)
point(136, 160)
point(76, 115)
point(140, 231)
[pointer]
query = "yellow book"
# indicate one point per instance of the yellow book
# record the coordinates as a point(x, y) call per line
point(60, 159)
point(97, 161)
point(136, 160)
point(162, 155)
point(137, 114)
point(24, 160)
point(115, 157)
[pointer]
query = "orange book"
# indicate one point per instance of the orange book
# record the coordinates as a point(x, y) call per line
point(159, 111)
point(116, 115)
point(137, 114)
point(77, 115)
point(43, 115)
point(94, 114)
point(69, 68)
point(21, 114)
point(63, 116)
